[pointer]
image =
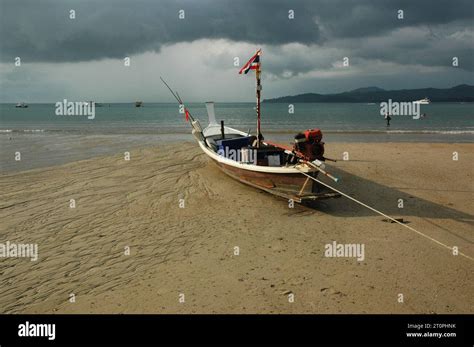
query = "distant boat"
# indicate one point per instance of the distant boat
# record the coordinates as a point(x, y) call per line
point(138, 104)
point(21, 105)
point(424, 101)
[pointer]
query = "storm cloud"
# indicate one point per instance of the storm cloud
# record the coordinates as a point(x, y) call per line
point(42, 30)
point(313, 44)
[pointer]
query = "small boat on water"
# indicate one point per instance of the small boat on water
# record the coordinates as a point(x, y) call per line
point(424, 101)
point(138, 103)
point(21, 105)
point(286, 172)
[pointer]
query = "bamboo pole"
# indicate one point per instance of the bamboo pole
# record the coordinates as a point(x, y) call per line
point(259, 88)
point(335, 179)
point(304, 186)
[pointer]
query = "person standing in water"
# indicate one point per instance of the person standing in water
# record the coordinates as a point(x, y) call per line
point(388, 119)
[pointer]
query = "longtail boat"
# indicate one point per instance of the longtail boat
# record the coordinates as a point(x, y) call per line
point(282, 171)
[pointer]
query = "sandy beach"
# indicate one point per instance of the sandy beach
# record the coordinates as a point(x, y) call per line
point(135, 205)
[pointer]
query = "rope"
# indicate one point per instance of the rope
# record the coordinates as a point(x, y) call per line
point(386, 216)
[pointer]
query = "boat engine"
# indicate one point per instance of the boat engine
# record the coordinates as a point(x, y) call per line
point(309, 144)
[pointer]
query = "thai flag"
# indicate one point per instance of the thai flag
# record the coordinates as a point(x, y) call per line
point(252, 64)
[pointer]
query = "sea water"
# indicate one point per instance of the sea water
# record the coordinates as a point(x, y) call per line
point(122, 126)
point(155, 118)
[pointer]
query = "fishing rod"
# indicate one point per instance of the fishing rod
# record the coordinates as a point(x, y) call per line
point(194, 123)
point(178, 99)
point(171, 91)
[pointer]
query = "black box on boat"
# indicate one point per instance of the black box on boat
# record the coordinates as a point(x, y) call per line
point(232, 148)
point(236, 143)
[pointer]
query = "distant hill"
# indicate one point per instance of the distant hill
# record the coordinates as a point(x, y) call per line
point(367, 90)
point(460, 93)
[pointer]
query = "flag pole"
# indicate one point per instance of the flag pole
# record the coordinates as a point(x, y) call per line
point(259, 88)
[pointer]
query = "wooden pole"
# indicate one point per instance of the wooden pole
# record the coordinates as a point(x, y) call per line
point(222, 130)
point(259, 88)
point(304, 186)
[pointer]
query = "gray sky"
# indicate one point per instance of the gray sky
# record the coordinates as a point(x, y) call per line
point(83, 58)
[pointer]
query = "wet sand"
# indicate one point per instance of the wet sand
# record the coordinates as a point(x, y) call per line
point(190, 250)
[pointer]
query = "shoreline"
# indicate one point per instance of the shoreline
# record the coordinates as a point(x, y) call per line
point(40, 150)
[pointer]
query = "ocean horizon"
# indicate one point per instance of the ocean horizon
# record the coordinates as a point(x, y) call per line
point(164, 118)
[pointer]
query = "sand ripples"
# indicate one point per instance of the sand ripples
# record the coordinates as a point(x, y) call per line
point(118, 204)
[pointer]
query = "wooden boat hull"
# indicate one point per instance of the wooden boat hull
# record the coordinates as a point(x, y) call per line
point(292, 186)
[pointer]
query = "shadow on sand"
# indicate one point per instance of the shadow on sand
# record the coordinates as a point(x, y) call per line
point(384, 199)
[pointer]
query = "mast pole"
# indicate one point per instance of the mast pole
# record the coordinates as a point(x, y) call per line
point(259, 88)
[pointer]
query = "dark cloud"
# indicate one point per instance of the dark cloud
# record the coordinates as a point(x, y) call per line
point(42, 31)
point(352, 19)
point(422, 46)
